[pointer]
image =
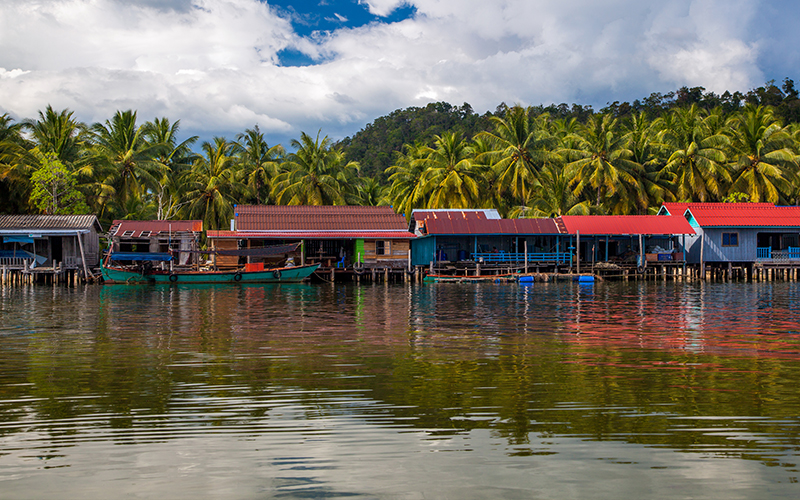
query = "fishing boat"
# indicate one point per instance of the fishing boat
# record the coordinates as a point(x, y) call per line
point(139, 267)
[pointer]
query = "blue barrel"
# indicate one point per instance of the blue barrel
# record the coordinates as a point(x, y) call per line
point(462, 255)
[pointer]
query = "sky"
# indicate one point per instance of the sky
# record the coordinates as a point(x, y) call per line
point(221, 66)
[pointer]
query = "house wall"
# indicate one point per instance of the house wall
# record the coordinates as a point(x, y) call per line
point(423, 250)
point(713, 251)
point(396, 257)
point(225, 261)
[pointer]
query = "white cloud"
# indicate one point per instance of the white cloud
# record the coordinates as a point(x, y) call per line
point(214, 64)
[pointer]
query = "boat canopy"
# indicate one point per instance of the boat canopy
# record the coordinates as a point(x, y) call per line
point(153, 256)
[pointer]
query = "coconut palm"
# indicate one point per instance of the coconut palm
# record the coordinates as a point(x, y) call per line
point(761, 155)
point(174, 159)
point(601, 163)
point(370, 192)
point(407, 190)
point(125, 163)
point(522, 145)
point(696, 165)
point(452, 178)
point(15, 166)
point(316, 174)
point(554, 199)
point(213, 186)
point(58, 132)
point(260, 162)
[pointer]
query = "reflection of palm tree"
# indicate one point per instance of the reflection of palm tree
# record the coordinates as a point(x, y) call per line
point(695, 165)
point(452, 178)
point(761, 149)
point(127, 162)
point(260, 161)
point(315, 174)
point(603, 162)
point(213, 186)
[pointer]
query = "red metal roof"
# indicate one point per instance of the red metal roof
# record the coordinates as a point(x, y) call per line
point(481, 225)
point(311, 235)
point(743, 215)
point(135, 228)
point(625, 224)
point(675, 208)
point(317, 218)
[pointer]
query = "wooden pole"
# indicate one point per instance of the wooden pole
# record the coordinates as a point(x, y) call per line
point(578, 251)
point(83, 260)
point(526, 255)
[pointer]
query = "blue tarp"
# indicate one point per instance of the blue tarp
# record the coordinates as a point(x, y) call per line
point(141, 256)
point(17, 239)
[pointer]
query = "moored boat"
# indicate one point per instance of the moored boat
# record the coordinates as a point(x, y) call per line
point(142, 270)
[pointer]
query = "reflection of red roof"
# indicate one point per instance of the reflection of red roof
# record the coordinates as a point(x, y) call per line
point(738, 214)
point(135, 228)
point(317, 218)
point(625, 224)
point(311, 235)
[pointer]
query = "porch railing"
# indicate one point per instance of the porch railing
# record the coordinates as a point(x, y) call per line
point(492, 257)
point(767, 253)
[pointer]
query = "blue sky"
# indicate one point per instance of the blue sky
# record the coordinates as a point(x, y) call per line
point(221, 66)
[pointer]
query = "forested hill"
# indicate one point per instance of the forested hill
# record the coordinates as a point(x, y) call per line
point(374, 146)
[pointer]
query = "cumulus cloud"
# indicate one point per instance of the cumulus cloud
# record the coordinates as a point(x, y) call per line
point(216, 64)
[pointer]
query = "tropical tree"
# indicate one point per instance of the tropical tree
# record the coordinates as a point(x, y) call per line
point(452, 178)
point(601, 163)
point(54, 187)
point(554, 199)
point(315, 174)
point(15, 166)
point(761, 154)
point(521, 146)
point(261, 163)
point(124, 162)
point(58, 132)
point(407, 189)
point(370, 192)
point(174, 159)
point(213, 186)
point(695, 166)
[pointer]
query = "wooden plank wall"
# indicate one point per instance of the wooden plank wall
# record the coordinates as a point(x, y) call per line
point(225, 261)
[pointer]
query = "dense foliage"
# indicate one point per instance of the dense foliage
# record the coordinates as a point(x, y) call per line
point(628, 158)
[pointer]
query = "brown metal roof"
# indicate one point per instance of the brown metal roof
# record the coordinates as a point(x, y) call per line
point(45, 222)
point(135, 228)
point(311, 235)
point(317, 218)
point(481, 225)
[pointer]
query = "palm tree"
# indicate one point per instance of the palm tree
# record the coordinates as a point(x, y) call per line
point(554, 199)
point(451, 176)
point(407, 189)
point(761, 154)
point(602, 163)
point(370, 192)
point(647, 151)
point(213, 186)
point(521, 147)
point(174, 159)
point(261, 162)
point(695, 166)
point(15, 166)
point(125, 163)
point(59, 133)
point(316, 174)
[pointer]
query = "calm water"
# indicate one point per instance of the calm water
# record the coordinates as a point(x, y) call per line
point(548, 391)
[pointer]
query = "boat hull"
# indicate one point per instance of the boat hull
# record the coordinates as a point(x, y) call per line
point(115, 275)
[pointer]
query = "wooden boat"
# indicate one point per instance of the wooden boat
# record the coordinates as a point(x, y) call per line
point(141, 270)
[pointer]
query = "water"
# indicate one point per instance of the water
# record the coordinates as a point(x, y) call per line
point(548, 391)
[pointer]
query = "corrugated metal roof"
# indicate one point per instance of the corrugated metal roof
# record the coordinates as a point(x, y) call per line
point(311, 235)
point(453, 213)
point(29, 222)
point(625, 224)
point(480, 225)
point(744, 215)
point(135, 228)
point(317, 218)
point(679, 208)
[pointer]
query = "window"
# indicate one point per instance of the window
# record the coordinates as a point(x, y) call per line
point(382, 248)
point(730, 239)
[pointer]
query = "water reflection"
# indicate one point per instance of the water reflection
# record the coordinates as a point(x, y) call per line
point(527, 375)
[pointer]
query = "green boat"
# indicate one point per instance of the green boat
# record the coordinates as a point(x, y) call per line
point(145, 273)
